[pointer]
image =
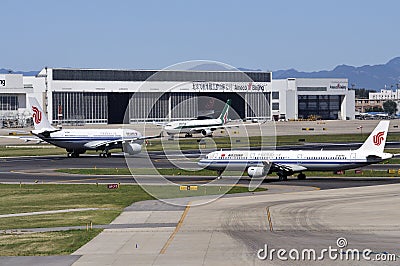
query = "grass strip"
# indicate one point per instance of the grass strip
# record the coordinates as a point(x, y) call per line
point(204, 172)
point(44, 197)
point(45, 244)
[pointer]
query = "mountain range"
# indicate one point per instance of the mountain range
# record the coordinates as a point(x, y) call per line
point(373, 77)
point(25, 73)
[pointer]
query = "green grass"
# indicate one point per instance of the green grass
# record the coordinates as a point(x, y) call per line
point(136, 171)
point(351, 173)
point(44, 197)
point(24, 151)
point(256, 141)
point(45, 244)
point(204, 172)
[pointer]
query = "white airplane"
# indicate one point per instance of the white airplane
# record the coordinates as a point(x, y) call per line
point(203, 126)
point(78, 141)
point(261, 163)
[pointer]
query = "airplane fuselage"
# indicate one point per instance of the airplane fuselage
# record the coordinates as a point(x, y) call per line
point(77, 139)
point(187, 126)
point(311, 160)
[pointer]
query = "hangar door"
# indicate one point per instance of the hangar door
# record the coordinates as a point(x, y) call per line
point(206, 104)
point(117, 105)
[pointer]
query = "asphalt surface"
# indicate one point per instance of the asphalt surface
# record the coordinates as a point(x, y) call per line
point(41, 170)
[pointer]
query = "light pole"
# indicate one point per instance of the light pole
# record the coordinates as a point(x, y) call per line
point(360, 128)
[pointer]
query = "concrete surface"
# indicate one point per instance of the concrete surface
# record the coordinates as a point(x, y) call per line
point(231, 230)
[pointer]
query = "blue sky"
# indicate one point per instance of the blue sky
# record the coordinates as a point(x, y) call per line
point(307, 35)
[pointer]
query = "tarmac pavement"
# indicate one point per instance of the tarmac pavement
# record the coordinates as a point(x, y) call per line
point(230, 231)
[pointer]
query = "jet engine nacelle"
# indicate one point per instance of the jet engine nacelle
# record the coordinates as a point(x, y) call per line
point(132, 148)
point(206, 132)
point(256, 171)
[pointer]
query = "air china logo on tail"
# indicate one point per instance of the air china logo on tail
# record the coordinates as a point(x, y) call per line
point(378, 138)
point(37, 115)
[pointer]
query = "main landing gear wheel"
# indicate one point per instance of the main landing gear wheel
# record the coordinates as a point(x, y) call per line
point(282, 177)
point(73, 155)
point(105, 154)
point(301, 176)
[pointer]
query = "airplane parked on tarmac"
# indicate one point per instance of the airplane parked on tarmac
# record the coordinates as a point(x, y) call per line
point(284, 163)
point(78, 141)
point(205, 126)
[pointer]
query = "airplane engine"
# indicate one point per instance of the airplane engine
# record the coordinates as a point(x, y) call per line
point(256, 171)
point(132, 148)
point(206, 132)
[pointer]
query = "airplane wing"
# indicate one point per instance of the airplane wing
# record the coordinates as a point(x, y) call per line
point(200, 129)
point(289, 169)
point(25, 138)
point(160, 124)
point(213, 128)
point(99, 144)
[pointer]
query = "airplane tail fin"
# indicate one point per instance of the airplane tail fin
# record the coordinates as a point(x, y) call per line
point(224, 114)
point(39, 118)
point(376, 141)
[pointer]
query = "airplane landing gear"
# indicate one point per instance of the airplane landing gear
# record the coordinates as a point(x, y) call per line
point(105, 154)
point(219, 174)
point(73, 155)
point(282, 177)
point(301, 176)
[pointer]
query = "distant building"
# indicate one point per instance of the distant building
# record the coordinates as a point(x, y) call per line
point(376, 100)
point(385, 94)
point(119, 96)
point(363, 105)
point(303, 98)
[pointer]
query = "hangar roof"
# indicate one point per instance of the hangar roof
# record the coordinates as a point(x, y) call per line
point(159, 75)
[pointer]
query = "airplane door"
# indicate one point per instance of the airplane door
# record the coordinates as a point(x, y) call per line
point(353, 157)
point(251, 156)
point(299, 158)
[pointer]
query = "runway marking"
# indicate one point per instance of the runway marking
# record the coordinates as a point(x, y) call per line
point(271, 228)
point(178, 226)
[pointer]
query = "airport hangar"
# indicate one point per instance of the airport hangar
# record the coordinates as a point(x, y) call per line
point(101, 96)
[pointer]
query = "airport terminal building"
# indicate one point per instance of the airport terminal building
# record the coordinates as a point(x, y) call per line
point(108, 96)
